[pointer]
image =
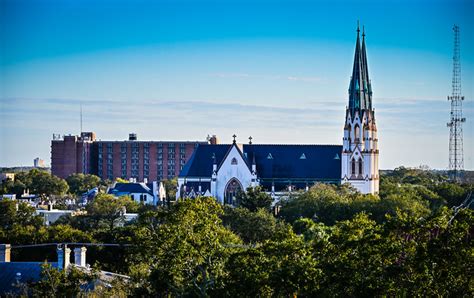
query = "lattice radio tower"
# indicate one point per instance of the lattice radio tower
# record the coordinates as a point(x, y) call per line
point(456, 157)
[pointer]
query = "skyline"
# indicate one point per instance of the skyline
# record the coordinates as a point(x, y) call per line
point(278, 71)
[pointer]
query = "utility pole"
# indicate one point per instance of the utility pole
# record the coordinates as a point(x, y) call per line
point(456, 156)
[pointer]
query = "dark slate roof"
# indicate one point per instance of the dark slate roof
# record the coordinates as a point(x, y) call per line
point(127, 188)
point(320, 162)
point(200, 163)
point(30, 272)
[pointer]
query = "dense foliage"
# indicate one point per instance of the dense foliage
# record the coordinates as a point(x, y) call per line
point(36, 182)
point(329, 241)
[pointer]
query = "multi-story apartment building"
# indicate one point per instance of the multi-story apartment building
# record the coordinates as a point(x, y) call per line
point(72, 154)
point(141, 160)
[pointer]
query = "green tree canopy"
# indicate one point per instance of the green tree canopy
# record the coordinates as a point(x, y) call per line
point(107, 211)
point(254, 198)
point(80, 183)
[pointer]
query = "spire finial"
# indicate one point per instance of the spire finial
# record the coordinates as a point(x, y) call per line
point(250, 140)
point(358, 27)
point(234, 136)
point(363, 31)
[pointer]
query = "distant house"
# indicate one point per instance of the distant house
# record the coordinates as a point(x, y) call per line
point(7, 177)
point(14, 274)
point(146, 193)
point(51, 215)
point(9, 196)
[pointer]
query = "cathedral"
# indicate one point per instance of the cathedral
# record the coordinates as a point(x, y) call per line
point(221, 171)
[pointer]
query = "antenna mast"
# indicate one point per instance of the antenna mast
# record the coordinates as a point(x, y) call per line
point(456, 157)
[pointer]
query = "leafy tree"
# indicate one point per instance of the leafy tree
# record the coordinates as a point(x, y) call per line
point(120, 180)
point(14, 213)
point(80, 183)
point(331, 203)
point(170, 186)
point(254, 226)
point(106, 211)
point(185, 249)
point(60, 283)
point(453, 193)
point(254, 198)
point(37, 182)
point(45, 184)
point(282, 268)
point(16, 187)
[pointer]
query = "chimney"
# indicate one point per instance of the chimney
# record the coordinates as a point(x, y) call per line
point(80, 256)
point(67, 256)
point(5, 251)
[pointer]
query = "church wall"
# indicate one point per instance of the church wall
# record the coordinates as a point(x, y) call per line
point(227, 171)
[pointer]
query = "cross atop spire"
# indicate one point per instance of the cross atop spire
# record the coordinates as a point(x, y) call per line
point(234, 136)
point(360, 90)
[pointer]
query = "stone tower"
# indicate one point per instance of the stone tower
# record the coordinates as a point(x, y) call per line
point(360, 154)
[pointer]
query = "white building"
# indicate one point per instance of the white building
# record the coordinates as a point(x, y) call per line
point(360, 154)
point(146, 193)
point(223, 170)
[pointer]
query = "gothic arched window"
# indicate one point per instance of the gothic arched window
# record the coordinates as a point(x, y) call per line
point(353, 165)
point(233, 161)
point(356, 133)
point(360, 167)
point(231, 190)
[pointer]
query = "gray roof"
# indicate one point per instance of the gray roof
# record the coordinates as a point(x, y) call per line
point(30, 272)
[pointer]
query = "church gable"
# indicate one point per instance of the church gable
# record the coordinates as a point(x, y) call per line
point(234, 162)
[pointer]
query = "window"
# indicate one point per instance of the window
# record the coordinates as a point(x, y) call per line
point(353, 165)
point(360, 167)
point(269, 156)
point(234, 161)
point(232, 189)
point(303, 156)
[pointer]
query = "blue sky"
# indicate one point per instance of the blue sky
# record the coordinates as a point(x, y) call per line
point(276, 70)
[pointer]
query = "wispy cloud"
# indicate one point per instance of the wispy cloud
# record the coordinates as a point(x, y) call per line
point(230, 75)
point(305, 79)
point(309, 79)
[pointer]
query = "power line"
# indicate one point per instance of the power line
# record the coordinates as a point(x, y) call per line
point(70, 243)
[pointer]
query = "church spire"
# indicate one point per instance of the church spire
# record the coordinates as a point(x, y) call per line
point(360, 93)
point(368, 87)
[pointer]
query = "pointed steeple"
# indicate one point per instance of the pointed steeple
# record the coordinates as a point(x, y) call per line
point(360, 92)
point(368, 87)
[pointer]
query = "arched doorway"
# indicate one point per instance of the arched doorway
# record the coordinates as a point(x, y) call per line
point(232, 188)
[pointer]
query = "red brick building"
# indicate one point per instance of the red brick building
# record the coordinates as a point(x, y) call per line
point(150, 160)
point(72, 154)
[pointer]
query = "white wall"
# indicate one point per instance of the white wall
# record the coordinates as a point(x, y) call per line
point(227, 171)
